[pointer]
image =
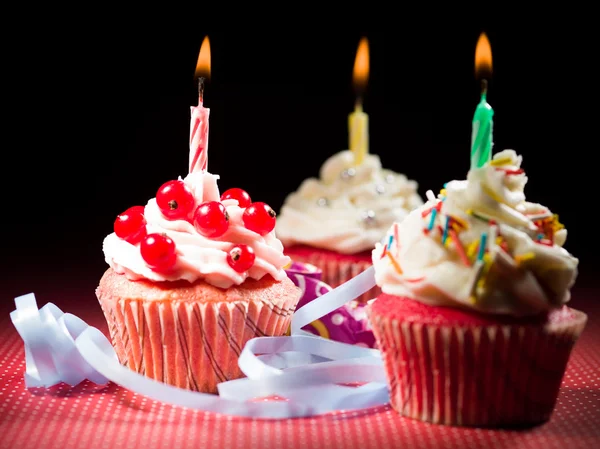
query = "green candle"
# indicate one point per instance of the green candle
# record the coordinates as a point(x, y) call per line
point(481, 138)
point(483, 123)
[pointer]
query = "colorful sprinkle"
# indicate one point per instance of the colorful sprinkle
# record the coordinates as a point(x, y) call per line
point(396, 237)
point(478, 268)
point(478, 215)
point(445, 233)
point(463, 224)
point(394, 263)
point(383, 252)
point(500, 161)
point(518, 171)
point(523, 257)
point(389, 245)
point(472, 248)
point(556, 224)
point(428, 211)
point(432, 220)
point(459, 248)
point(448, 242)
point(482, 246)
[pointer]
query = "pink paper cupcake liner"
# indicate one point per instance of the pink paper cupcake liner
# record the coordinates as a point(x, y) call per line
point(190, 345)
point(487, 376)
point(336, 270)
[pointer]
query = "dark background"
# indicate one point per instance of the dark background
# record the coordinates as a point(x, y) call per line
point(100, 120)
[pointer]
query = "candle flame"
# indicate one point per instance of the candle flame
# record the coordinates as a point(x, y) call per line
point(483, 57)
point(360, 74)
point(203, 64)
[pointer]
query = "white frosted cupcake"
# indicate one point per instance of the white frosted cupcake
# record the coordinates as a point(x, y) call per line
point(333, 222)
point(473, 323)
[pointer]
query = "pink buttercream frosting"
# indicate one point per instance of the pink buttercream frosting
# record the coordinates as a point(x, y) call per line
point(199, 257)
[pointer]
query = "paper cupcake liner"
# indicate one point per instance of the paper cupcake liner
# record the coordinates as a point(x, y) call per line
point(189, 345)
point(335, 272)
point(487, 376)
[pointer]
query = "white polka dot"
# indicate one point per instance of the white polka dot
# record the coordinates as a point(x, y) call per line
point(337, 319)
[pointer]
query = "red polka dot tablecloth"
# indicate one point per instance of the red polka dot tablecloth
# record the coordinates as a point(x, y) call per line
point(89, 416)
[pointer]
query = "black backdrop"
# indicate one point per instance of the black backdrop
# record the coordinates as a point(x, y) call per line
point(101, 120)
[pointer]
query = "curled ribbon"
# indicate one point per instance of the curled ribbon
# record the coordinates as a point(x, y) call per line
point(60, 347)
point(346, 324)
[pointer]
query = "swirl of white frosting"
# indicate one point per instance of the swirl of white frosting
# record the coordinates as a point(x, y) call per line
point(349, 208)
point(524, 270)
point(199, 257)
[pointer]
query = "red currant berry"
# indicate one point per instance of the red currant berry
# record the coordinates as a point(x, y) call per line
point(241, 196)
point(211, 219)
point(131, 225)
point(241, 258)
point(175, 200)
point(260, 218)
point(158, 251)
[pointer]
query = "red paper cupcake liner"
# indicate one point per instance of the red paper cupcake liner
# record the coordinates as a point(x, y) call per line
point(486, 376)
point(190, 345)
point(336, 268)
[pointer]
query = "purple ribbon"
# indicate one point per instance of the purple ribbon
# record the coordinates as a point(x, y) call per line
point(347, 324)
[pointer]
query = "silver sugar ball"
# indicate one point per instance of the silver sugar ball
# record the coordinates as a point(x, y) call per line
point(348, 173)
point(390, 179)
point(322, 202)
point(368, 217)
point(380, 189)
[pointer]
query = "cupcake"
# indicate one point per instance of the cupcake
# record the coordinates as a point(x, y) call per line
point(472, 321)
point(192, 277)
point(334, 222)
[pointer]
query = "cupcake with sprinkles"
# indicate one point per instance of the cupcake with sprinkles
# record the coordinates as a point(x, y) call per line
point(334, 221)
point(472, 323)
point(193, 275)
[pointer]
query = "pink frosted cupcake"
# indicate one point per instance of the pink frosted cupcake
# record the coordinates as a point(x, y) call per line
point(472, 322)
point(193, 276)
point(334, 222)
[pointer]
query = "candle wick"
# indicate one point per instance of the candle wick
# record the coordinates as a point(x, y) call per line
point(358, 104)
point(200, 89)
point(484, 87)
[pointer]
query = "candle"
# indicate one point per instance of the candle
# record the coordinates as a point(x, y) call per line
point(481, 138)
point(199, 118)
point(358, 121)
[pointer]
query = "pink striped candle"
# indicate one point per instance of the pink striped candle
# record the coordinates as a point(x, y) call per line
point(200, 114)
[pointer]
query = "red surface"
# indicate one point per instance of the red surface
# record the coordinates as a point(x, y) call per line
point(93, 417)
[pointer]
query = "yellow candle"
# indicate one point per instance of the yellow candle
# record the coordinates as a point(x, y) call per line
point(358, 121)
point(358, 128)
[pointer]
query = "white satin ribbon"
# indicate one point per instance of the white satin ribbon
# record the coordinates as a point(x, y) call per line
point(304, 369)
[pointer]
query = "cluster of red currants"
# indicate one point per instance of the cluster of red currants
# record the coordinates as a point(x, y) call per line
point(210, 219)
